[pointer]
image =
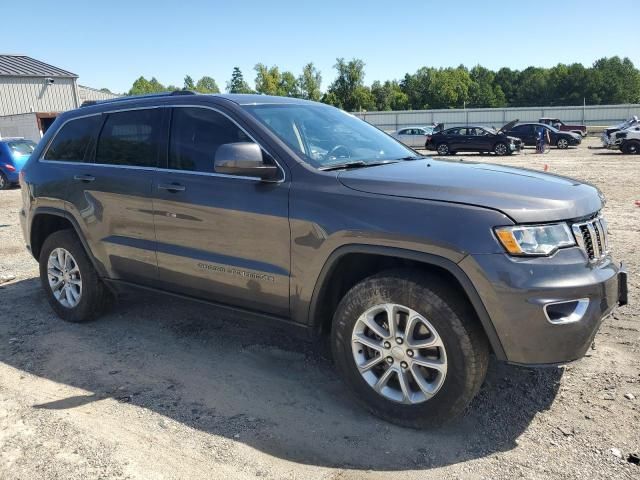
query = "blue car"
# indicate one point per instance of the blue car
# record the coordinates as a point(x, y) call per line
point(14, 153)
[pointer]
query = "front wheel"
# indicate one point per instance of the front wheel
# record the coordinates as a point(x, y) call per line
point(562, 143)
point(409, 348)
point(501, 149)
point(71, 283)
point(443, 149)
point(631, 148)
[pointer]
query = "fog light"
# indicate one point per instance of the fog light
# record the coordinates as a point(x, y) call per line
point(560, 313)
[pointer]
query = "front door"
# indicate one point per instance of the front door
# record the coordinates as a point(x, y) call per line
point(220, 237)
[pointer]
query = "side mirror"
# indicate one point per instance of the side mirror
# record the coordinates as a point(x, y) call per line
point(243, 159)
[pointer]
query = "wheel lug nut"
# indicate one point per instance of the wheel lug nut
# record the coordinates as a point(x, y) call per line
point(403, 364)
point(399, 341)
point(389, 360)
point(409, 353)
point(387, 345)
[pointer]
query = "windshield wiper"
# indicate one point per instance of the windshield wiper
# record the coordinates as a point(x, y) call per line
point(354, 164)
point(412, 157)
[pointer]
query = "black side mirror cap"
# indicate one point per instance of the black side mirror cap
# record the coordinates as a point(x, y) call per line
point(244, 159)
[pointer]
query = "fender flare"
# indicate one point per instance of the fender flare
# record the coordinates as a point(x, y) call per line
point(76, 227)
point(425, 258)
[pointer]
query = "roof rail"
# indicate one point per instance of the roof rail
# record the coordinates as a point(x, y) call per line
point(88, 103)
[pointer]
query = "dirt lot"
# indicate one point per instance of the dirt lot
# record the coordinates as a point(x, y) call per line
point(162, 388)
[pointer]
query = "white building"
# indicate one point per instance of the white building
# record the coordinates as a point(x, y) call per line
point(33, 93)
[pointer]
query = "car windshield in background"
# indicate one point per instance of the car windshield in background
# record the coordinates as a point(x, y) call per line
point(22, 147)
point(326, 136)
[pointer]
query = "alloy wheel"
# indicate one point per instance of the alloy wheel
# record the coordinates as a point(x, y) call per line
point(563, 143)
point(443, 149)
point(399, 353)
point(64, 277)
point(501, 149)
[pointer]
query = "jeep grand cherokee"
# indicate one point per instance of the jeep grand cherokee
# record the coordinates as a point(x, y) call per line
point(417, 269)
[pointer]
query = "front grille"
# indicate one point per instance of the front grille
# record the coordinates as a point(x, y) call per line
point(592, 237)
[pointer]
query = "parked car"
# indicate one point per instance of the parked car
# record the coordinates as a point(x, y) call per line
point(527, 132)
point(626, 140)
point(474, 139)
point(631, 122)
point(301, 214)
point(14, 152)
point(414, 137)
point(563, 127)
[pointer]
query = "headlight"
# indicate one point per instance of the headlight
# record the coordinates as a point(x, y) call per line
point(535, 239)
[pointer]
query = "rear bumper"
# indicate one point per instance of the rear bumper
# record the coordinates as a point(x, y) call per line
point(12, 176)
point(515, 292)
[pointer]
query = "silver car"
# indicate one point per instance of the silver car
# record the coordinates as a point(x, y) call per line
point(415, 137)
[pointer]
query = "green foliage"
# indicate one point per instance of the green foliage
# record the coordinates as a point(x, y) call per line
point(207, 85)
point(348, 90)
point(609, 81)
point(237, 83)
point(309, 83)
point(188, 83)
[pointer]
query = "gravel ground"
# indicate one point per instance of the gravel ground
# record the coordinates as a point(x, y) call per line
point(163, 388)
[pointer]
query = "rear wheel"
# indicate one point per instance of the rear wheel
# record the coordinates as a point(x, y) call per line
point(631, 148)
point(73, 288)
point(562, 143)
point(443, 149)
point(4, 182)
point(409, 348)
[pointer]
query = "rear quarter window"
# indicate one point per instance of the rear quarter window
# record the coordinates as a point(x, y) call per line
point(74, 140)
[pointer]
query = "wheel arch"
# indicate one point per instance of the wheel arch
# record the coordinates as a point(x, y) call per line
point(45, 221)
point(350, 264)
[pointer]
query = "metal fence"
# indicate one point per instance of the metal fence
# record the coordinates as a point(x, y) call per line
point(594, 115)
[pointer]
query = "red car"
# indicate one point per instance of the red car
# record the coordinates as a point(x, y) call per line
point(563, 127)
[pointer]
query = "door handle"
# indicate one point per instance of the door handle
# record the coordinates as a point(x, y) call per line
point(172, 187)
point(84, 178)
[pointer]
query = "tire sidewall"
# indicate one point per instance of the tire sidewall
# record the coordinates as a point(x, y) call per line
point(458, 387)
point(506, 149)
point(443, 145)
point(562, 143)
point(4, 182)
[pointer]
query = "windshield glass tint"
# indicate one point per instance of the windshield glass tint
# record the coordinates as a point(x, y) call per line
point(324, 135)
point(22, 147)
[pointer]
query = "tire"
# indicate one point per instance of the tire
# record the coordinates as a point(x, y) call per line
point(443, 149)
point(631, 148)
point(501, 149)
point(464, 348)
point(4, 182)
point(562, 143)
point(84, 302)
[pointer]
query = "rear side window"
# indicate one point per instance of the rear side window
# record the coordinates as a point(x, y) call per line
point(130, 138)
point(74, 140)
point(196, 134)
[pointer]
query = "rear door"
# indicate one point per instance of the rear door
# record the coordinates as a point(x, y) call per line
point(111, 197)
point(220, 237)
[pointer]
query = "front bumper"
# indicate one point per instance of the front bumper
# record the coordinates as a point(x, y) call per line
point(515, 291)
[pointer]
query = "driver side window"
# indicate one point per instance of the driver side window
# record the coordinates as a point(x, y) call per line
point(196, 134)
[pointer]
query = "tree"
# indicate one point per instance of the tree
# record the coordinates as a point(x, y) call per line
point(348, 91)
point(237, 83)
point(483, 91)
point(267, 79)
point(207, 85)
point(142, 86)
point(188, 83)
point(309, 83)
point(288, 86)
point(389, 96)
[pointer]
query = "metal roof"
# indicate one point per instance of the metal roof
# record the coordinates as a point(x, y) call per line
point(23, 66)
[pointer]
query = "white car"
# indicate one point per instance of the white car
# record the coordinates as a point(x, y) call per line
point(415, 137)
point(624, 137)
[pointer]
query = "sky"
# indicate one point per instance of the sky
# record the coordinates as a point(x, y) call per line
point(113, 44)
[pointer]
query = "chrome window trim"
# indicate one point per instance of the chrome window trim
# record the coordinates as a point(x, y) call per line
point(160, 169)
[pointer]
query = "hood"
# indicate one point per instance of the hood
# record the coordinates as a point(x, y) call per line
point(524, 195)
point(508, 126)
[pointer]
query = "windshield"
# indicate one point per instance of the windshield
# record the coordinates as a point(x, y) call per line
point(553, 129)
point(324, 135)
point(22, 147)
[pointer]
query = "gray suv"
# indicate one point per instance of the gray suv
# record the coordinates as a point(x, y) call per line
point(416, 269)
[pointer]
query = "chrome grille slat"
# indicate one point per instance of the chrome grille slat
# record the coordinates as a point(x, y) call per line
point(591, 237)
